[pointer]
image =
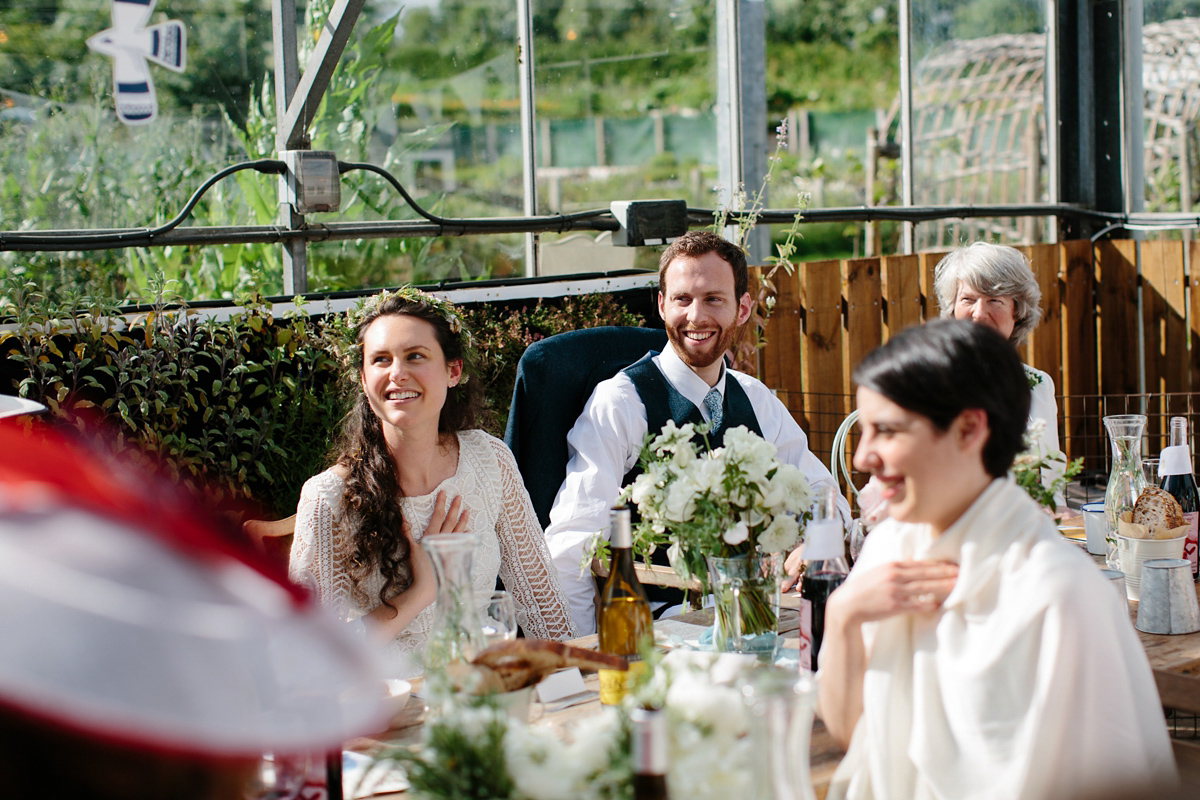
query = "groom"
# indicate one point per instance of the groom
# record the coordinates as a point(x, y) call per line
point(703, 298)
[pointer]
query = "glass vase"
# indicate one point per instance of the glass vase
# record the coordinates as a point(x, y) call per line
point(746, 594)
point(457, 631)
point(1126, 480)
point(782, 704)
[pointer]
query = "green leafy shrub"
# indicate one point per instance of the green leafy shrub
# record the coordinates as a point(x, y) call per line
point(242, 409)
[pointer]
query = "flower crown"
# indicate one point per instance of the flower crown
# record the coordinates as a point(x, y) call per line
point(411, 294)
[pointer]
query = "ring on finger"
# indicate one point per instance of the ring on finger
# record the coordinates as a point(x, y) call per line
point(925, 598)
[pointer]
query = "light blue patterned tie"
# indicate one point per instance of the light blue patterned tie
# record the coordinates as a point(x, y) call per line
point(712, 401)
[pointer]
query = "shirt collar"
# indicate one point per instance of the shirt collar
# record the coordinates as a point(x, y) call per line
point(686, 382)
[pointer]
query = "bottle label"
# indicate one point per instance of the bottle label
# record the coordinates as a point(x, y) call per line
point(614, 684)
point(1175, 460)
point(1189, 544)
point(806, 610)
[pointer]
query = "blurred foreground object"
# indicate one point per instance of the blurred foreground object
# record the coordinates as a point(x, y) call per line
point(131, 622)
point(14, 406)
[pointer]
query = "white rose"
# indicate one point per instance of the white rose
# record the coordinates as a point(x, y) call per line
point(538, 763)
point(782, 533)
point(788, 490)
point(737, 534)
point(681, 500)
point(645, 488)
point(709, 475)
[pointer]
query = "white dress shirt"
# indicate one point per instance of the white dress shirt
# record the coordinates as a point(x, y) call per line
point(604, 445)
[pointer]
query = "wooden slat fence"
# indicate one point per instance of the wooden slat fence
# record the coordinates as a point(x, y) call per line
point(829, 314)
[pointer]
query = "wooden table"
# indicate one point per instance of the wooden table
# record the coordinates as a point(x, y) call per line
point(1175, 661)
point(824, 754)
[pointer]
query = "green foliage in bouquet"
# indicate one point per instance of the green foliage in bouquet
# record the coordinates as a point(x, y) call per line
point(1043, 474)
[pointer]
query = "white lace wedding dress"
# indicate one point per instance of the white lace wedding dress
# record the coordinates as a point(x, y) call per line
point(511, 545)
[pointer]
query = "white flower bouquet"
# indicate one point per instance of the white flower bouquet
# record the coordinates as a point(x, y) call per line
point(474, 751)
point(738, 500)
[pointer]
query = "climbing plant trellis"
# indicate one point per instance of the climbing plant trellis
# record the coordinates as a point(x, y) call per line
point(979, 128)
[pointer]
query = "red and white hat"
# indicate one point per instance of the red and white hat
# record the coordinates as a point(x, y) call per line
point(11, 406)
point(126, 614)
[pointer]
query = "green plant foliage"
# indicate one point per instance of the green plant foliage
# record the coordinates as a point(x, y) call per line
point(241, 409)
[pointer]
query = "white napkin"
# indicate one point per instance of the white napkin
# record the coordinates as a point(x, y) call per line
point(362, 776)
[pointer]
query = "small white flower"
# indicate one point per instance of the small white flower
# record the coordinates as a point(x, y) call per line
point(737, 534)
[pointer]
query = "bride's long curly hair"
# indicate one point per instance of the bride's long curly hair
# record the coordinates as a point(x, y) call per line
point(371, 504)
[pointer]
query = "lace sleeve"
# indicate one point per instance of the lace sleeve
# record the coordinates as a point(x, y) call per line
point(525, 565)
point(313, 557)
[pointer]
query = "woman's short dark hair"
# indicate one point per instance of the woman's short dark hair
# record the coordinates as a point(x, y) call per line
point(946, 366)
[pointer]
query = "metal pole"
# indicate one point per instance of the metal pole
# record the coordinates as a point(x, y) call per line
point(528, 127)
point(1133, 107)
point(730, 178)
point(1050, 109)
point(742, 115)
point(287, 77)
point(907, 231)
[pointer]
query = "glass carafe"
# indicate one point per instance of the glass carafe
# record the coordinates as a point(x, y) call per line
point(1126, 480)
point(782, 704)
point(457, 632)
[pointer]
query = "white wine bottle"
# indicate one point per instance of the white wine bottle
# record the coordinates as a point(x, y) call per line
point(1176, 477)
point(625, 618)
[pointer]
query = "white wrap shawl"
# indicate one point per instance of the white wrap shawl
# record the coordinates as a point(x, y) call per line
point(1029, 684)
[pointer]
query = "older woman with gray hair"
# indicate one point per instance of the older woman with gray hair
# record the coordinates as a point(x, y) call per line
point(994, 285)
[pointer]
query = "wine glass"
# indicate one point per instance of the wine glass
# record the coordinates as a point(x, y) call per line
point(500, 618)
point(276, 778)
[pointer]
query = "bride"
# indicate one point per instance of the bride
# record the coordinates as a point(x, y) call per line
point(972, 653)
point(408, 465)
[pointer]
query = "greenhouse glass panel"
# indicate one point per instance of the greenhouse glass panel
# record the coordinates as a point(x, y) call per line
point(625, 93)
point(833, 76)
point(1171, 87)
point(979, 123)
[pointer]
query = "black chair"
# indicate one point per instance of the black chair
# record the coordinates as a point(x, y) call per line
point(555, 378)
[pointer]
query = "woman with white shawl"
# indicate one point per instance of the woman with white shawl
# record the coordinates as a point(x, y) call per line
point(972, 653)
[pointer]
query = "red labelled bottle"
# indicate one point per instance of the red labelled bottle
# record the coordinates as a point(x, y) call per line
point(649, 753)
point(624, 619)
point(825, 562)
point(1176, 477)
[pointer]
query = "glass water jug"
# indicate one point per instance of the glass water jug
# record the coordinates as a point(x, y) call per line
point(1126, 480)
point(457, 632)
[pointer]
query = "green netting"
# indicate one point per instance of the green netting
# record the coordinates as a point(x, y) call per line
point(629, 142)
point(833, 133)
point(692, 137)
point(572, 142)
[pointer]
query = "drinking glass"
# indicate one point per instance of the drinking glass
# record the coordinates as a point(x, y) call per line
point(500, 618)
point(1150, 470)
point(276, 778)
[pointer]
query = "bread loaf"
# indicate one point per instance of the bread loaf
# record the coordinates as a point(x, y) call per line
point(1157, 510)
point(508, 666)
